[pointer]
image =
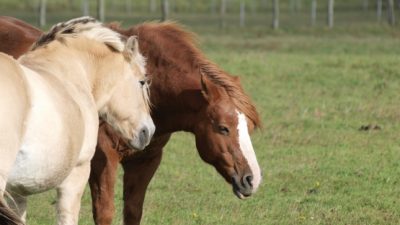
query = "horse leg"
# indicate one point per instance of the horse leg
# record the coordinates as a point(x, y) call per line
point(102, 180)
point(7, 215)
point(70, 193)
point(18, 204)
point(8, 154)
point(138, 172)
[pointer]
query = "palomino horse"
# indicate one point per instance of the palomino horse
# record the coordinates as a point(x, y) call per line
point(204, 100)
point(52, 98)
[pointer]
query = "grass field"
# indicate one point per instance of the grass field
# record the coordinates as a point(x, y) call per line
point(314, 90)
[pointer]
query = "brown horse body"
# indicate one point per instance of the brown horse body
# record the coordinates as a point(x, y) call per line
point(187, 93)
point(16, 36)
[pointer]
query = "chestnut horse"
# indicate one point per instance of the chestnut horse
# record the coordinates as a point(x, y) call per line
point(188, 93)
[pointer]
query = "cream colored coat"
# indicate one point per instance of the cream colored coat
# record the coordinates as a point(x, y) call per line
point(51, 99)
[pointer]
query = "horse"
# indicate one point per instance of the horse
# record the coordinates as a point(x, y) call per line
point(188, 93)
point(52, 98)
point(11, 29)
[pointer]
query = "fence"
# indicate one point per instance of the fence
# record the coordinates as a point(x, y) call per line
point(222, 13)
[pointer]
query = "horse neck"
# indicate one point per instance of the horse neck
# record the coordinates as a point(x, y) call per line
point(78, 66)
point(177, 108)
point(58, 61)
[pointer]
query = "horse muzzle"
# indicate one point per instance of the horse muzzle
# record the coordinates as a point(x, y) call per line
point(143, 138)
point(242, 186)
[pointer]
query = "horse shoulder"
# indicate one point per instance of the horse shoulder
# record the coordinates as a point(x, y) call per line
point(13, 83)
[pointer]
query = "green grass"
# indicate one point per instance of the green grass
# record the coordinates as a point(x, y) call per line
point(314, 90)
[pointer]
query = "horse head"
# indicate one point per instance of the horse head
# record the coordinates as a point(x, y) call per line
point(118, 76)
point(222, 139)
point(130, 107)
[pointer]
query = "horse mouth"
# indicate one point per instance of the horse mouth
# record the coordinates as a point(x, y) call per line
point(240, 195)
point(239, 189)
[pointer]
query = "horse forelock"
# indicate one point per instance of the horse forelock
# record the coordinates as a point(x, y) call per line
point(240, 99)
point(82, 27)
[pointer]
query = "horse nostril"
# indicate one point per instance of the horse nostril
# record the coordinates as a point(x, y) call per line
point(144, 135)
point(248, 179)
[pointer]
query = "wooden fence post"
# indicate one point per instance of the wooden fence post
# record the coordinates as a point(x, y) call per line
point(128, 4)
point(365, 5)
point(379, 10)
point(164, 10)
point(213, 7)
point(331, 5)
point(222, 13)
point(152, 6)
point(242, 13)
point(313, 12)
point(275, 14)
point(100, 10)
point(85, 7)
point(70, 4)
point(390, 12)
point(42, 13)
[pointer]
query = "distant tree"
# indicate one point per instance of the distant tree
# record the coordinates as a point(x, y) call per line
point(100, 10)
point(42, 13)
point(164, 10)
point(275, 14)
point(313, 12)
point(390, 12)
point(331, 6)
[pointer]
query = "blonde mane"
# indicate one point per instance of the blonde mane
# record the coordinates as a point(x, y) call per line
point(83, 26)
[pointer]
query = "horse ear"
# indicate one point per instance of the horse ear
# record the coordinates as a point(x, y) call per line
point(209, 90)
point(132, 46)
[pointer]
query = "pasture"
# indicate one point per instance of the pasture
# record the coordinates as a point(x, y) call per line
point(315, 89)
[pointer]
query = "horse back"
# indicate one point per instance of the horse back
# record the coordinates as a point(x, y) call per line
point(16, 36)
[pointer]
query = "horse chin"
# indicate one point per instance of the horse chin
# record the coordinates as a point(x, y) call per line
point(136, 146)
point(239, 194)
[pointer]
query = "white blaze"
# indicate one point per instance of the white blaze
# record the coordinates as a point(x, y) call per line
point(247, 149)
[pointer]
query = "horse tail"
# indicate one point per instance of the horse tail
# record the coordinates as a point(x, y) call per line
point(7, 215)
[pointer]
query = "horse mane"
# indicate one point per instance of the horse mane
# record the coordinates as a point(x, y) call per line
point(185, 44)
point(82, 26)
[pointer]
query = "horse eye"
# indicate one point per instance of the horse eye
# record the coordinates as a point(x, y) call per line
point(223, 130)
